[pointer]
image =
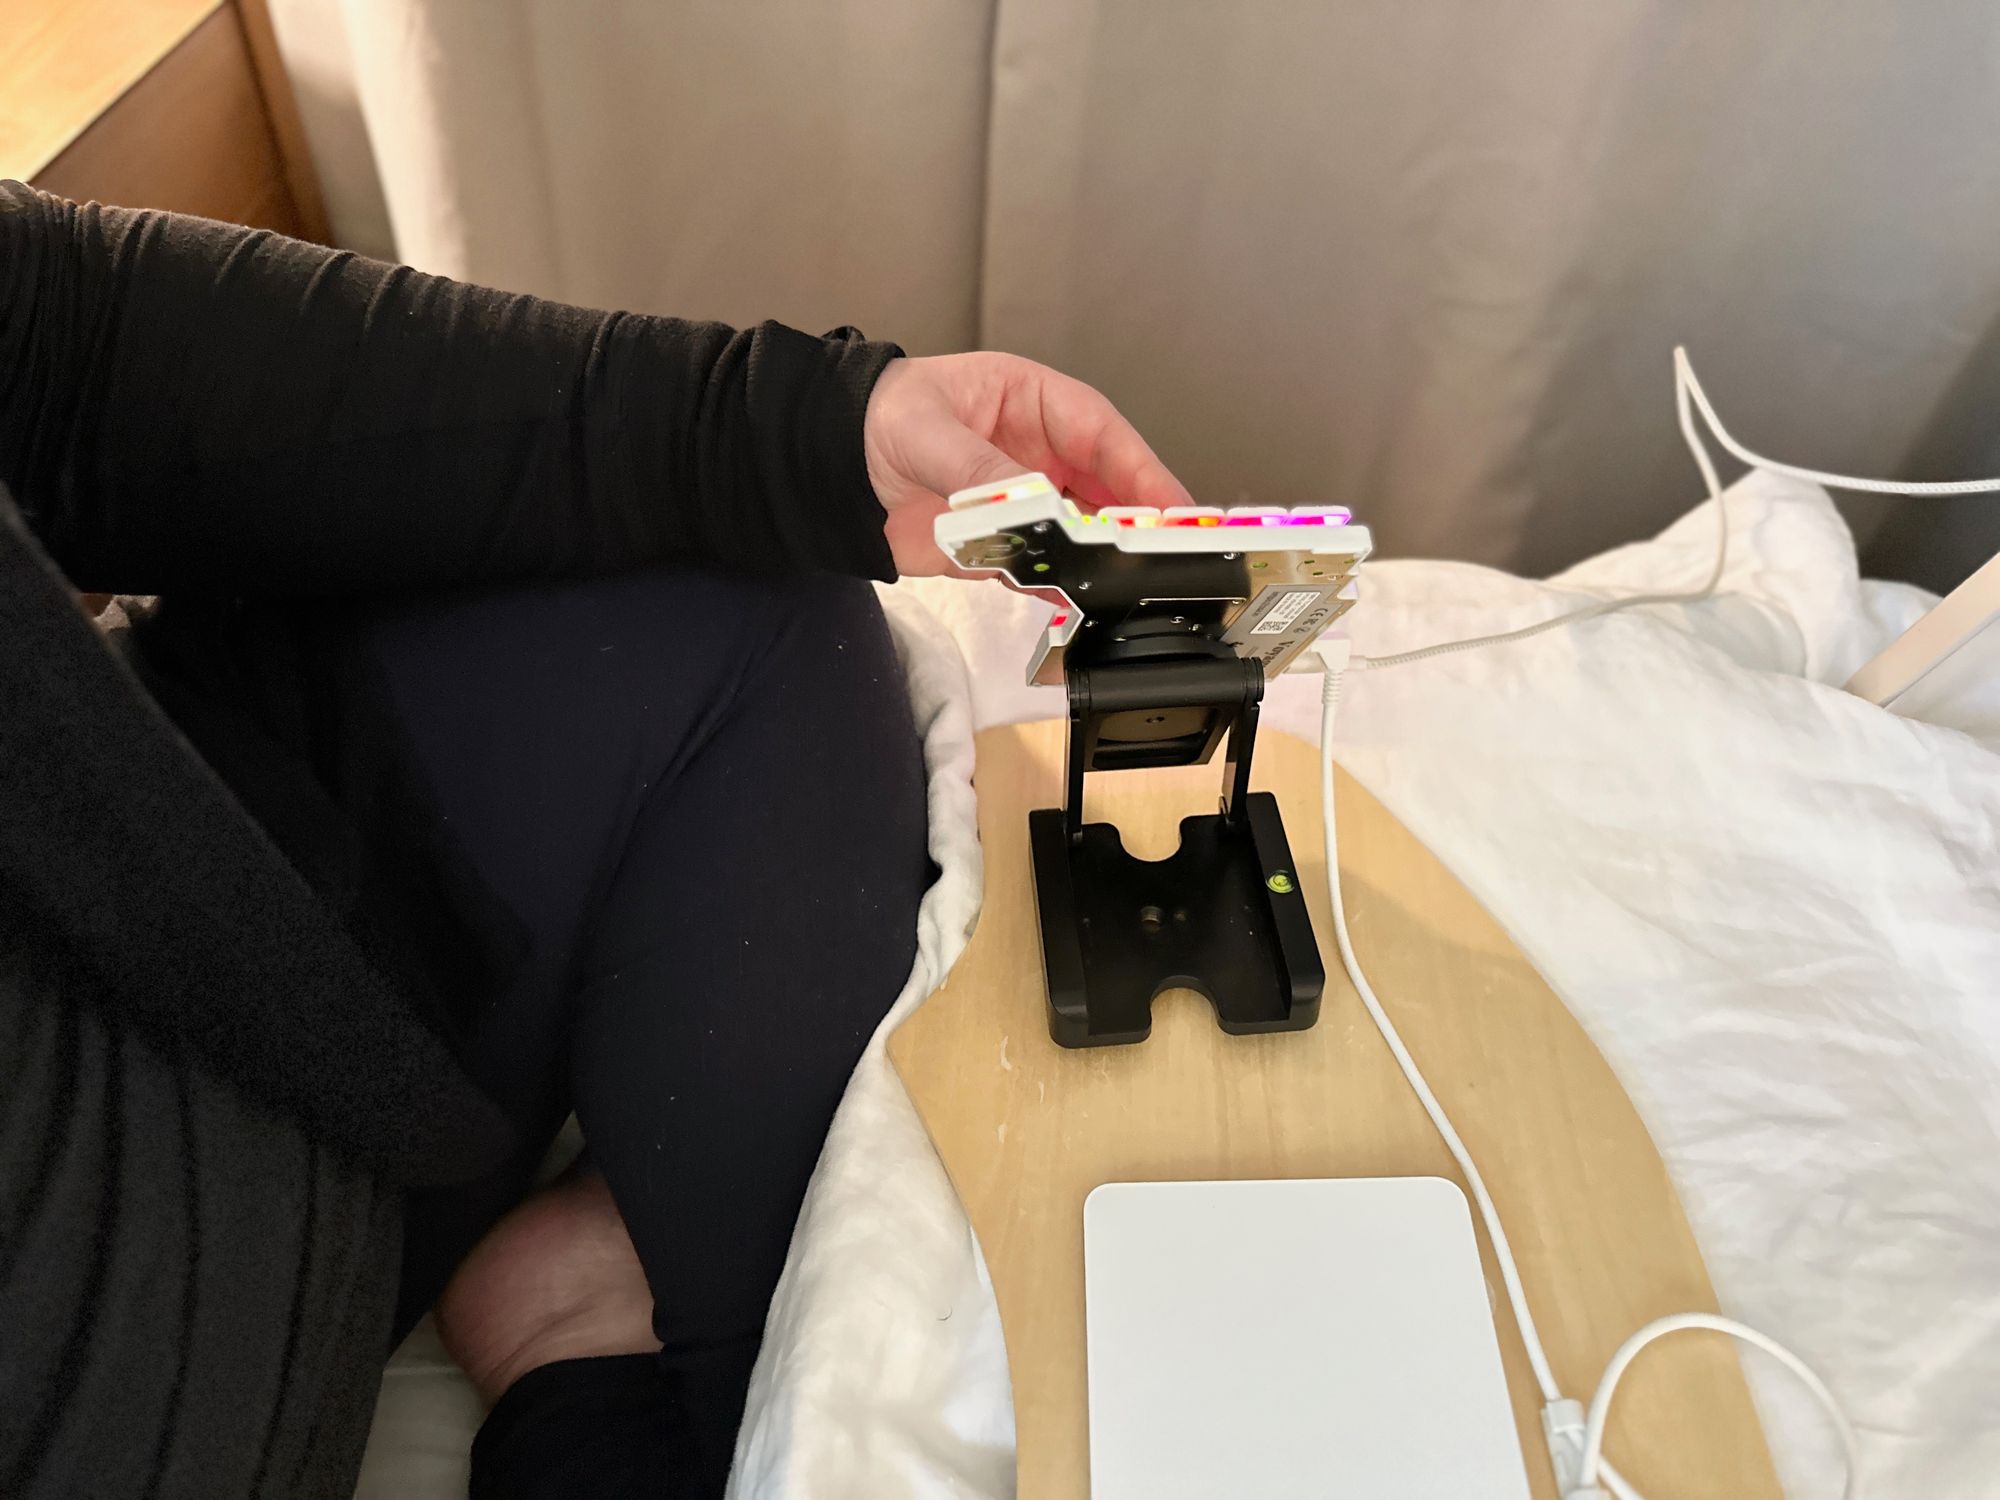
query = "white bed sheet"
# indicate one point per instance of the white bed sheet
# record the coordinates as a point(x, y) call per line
point(1775, 908)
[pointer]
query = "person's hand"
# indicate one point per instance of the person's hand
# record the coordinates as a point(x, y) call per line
point(956, 420)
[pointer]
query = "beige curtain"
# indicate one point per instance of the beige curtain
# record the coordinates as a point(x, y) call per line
point(815, 161)
point(1427, 258)
point(1430, 259)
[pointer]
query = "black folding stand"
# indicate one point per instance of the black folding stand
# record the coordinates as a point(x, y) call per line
point(1224, 915)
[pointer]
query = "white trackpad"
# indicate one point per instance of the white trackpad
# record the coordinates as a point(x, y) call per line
point(1293, 1339)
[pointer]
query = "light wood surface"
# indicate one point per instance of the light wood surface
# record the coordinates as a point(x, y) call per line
point(1027, 1129)
point(176, 104)
point(191, 136)
point(63, 63)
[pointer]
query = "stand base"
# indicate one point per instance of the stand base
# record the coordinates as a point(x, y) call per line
point(1223, 916)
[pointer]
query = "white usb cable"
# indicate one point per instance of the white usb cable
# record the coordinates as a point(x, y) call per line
point(1688, 399)
point(1575, 1438)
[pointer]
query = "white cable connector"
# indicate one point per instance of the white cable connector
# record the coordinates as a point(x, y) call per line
point(1575, 1438)
point(1563, 1429)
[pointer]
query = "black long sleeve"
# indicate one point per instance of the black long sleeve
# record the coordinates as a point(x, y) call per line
point(190, 405)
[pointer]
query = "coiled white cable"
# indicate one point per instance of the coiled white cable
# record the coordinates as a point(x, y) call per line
point(1593, 1465)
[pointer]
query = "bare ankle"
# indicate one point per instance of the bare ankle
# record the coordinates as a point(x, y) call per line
point(557, 1278)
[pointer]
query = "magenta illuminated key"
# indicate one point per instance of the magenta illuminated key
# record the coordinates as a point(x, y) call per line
point(1253, 515)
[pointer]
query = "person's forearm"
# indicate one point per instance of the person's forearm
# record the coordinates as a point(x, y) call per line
point(189, 405)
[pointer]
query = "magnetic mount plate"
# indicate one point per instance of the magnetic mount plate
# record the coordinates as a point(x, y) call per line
point(1265, 582)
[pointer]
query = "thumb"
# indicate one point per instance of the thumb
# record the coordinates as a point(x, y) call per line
point(954, 457)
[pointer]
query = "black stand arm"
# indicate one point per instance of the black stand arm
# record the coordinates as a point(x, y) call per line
point(1223, 915)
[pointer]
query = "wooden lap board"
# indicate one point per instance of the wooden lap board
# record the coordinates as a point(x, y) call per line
point(1026, 1129)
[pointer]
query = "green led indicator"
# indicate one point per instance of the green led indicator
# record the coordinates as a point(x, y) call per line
point(1041, 567)
point(1281, 882)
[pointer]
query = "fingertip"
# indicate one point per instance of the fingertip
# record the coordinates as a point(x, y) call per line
point(1110, 463)
point(1155, 485)
point(1090, 491)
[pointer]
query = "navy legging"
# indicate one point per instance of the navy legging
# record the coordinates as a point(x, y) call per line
point(704, 801)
